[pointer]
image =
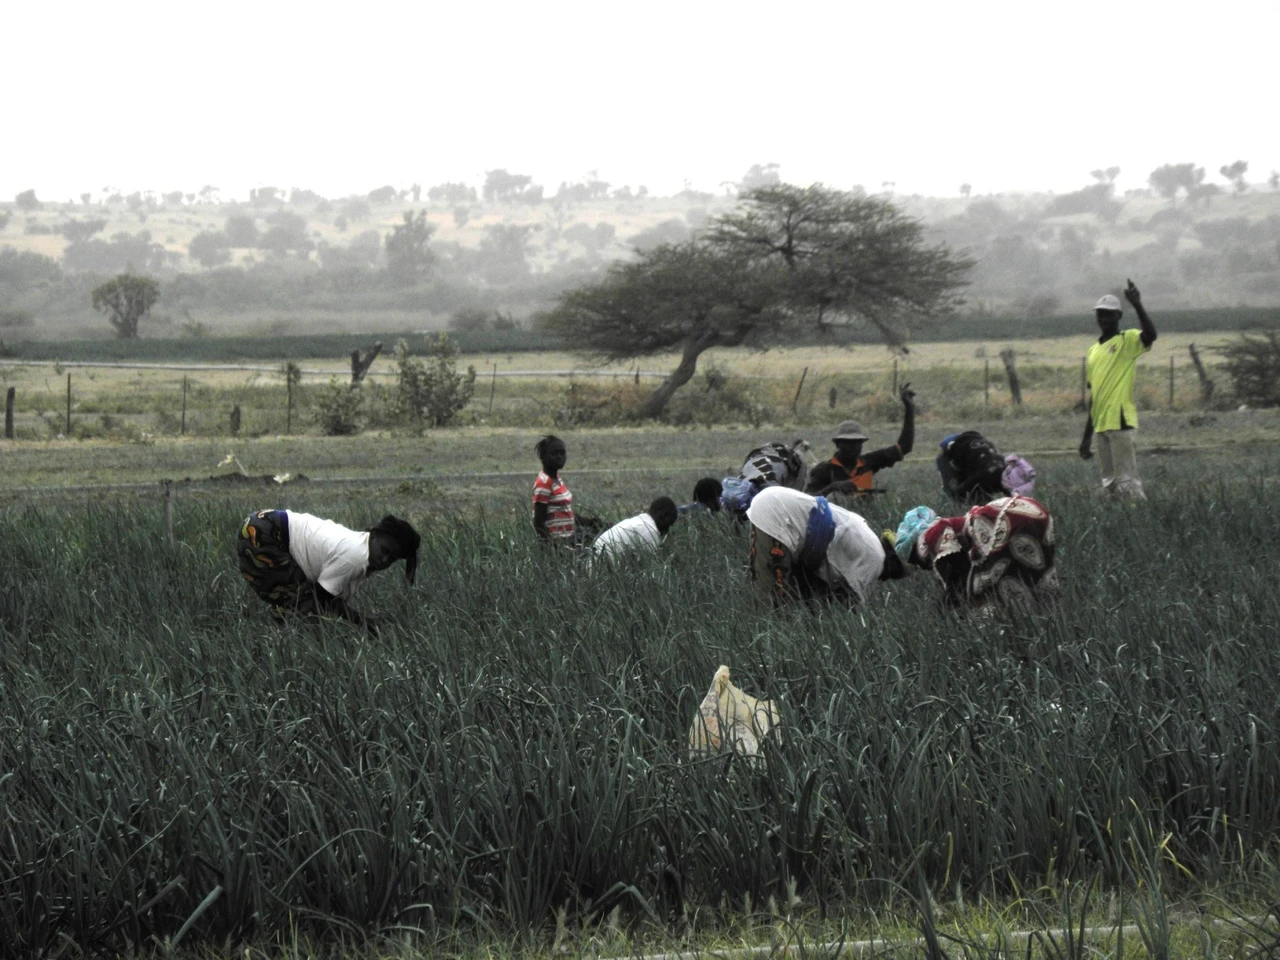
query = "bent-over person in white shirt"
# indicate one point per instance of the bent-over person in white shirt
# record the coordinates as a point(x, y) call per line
point(803, 547)
point(311, 566)
point(641, 532)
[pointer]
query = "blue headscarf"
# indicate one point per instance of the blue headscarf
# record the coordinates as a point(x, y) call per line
point(913, 524)
point(819, 532)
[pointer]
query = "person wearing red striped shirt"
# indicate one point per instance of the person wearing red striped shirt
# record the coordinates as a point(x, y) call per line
point(553, 519)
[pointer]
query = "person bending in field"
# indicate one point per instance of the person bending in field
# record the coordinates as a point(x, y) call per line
point(310, 566)
point(706, 498)
point(770, 464)
point(999, 553)
point(851, 471)
point(974, 471)
point(803, 547)
point(1110, 367)
point(641, 532)
point(554, 520)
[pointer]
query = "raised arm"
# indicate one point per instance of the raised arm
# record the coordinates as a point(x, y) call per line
point(1148, 334)
point(907, 438)
point(888, 456)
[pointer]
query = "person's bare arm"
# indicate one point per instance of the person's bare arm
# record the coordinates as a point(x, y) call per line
point(540, 521)
point(1148, 334)
point(331, 606)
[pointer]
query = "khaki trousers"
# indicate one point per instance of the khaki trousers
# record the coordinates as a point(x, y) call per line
point(1118, 460)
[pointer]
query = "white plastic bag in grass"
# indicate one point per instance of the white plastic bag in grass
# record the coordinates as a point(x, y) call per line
point(729, 719)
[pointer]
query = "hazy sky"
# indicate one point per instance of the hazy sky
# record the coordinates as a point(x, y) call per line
point(342, 98)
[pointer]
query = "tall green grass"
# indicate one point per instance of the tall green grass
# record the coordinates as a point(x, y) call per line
point(512, 746)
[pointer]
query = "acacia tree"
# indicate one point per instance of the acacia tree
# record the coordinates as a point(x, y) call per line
point(126, 300)
point(850, 257)
point(688, 297)
point(788, 260)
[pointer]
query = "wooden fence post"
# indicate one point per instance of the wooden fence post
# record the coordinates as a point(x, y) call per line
point(67, 432)
point(183, 428)
point(894, 392)
point(8, 413)
point(1171, 383)
point(986, 384)
point(1206, 385)
point(1084, 380)
point(360, 365)
point(493, 386)
point(800, 386)
point(168, 509)
point(288, 401)
point(1011, 371)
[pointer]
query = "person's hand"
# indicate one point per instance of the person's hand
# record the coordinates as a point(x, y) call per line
point(1132, 295)
point(908, 395)
point(1086, 452)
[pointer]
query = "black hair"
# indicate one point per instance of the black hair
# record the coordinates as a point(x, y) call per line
point(664, 512)
point(405, 540)
point(707, 491)
point(540, 448)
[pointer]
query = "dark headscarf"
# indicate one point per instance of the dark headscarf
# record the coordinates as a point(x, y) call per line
point(406, 540)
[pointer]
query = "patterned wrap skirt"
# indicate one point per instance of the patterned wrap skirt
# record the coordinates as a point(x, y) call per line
point(262, 551)
point(1001, 552)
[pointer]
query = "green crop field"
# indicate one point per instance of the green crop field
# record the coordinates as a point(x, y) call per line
point(505, 765)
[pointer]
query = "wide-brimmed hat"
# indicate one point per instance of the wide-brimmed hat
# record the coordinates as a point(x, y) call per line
point(1109, 302)
point(850, 430)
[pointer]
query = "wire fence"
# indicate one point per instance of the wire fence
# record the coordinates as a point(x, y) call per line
point(207, 399)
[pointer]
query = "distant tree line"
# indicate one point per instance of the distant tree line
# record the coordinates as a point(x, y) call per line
point(1036, 255)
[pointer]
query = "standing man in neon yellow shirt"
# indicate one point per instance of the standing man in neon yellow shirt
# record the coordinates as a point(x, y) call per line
point(1112, 414)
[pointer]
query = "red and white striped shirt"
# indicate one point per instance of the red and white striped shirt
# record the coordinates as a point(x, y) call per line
point(559, 503)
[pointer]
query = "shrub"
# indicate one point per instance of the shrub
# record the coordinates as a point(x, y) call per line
point(337, 409)
point(721, 399)
point(431, 392)
point(1253, 364)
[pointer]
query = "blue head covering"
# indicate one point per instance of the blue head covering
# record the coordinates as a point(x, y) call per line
point(913, 524)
